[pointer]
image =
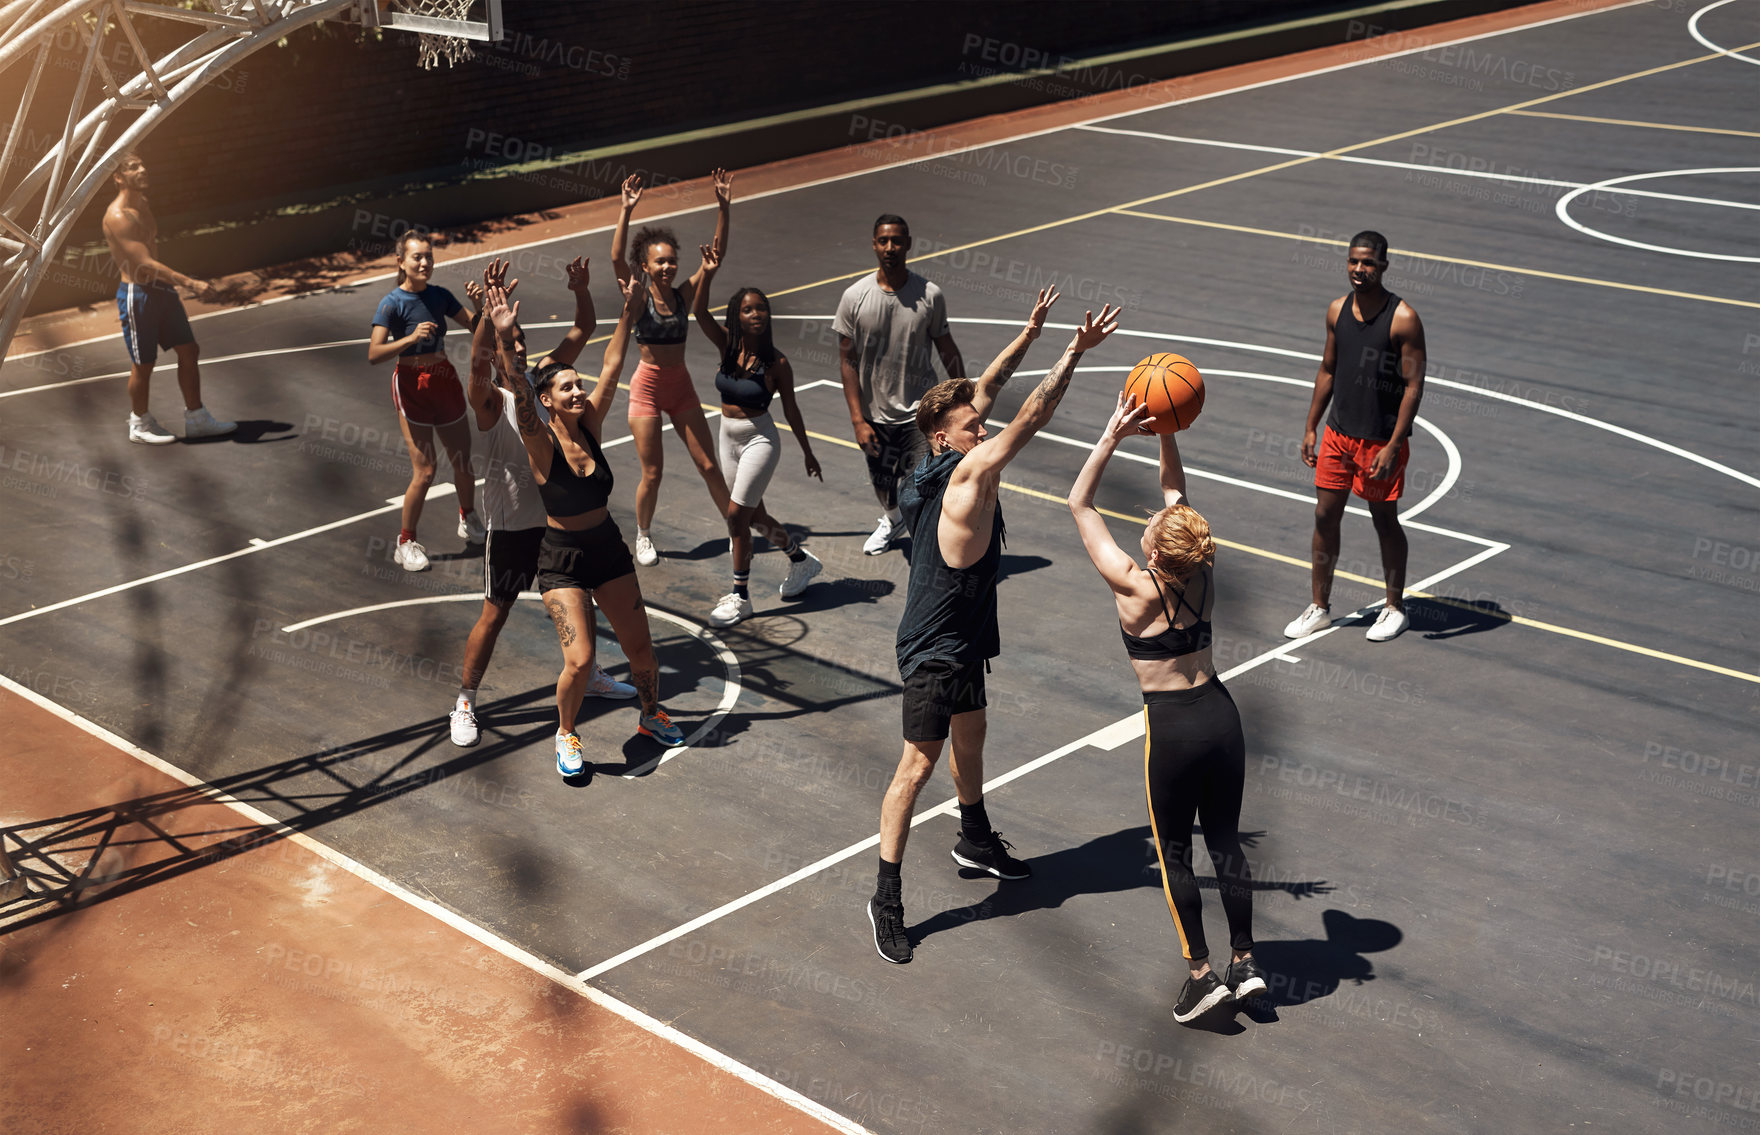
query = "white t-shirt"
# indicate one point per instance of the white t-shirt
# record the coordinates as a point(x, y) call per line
point(510, 496)
point(894, 335)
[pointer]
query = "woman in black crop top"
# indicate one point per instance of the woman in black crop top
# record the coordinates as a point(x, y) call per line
point(1195, 753)
point(661, 385)
point(583, 561)
point(752, 373)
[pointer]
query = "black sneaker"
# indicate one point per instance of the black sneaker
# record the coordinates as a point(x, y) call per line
point(990, 855)
point(890, 938)
point(1246, 979)
point(1200, 995)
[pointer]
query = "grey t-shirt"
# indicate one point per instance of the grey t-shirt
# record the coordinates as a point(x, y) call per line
point(894, 335)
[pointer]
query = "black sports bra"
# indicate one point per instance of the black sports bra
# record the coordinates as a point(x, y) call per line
point(656, 329)
point(1174, 642)
point(749, 390)
point(567, 493)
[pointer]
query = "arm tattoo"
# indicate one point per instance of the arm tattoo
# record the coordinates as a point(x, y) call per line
point(1012, 360)
point(1050, 391)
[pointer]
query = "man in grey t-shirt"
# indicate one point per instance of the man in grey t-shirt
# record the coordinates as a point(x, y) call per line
point(886, 325)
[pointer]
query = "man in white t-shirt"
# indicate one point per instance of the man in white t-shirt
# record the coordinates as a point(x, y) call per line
point(888, 325)
point(511, 506)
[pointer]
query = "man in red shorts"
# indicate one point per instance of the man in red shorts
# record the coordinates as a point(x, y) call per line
point(1373, 375)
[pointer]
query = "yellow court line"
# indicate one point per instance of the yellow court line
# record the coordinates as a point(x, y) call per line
point(1633, 122)
point(1591, 280)
point(1273, 168)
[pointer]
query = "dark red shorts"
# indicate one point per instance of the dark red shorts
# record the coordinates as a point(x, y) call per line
point(1343, 463)
point(428, 394)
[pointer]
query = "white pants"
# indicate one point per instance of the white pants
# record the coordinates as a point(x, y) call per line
point(749, 453)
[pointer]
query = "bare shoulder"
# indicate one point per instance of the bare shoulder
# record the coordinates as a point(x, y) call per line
point(1333, 309)
point(1406, 321)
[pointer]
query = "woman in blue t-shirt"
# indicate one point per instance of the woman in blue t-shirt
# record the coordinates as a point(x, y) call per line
point(410, 326)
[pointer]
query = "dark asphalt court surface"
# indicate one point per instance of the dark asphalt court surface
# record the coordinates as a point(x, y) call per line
point(1507, 874)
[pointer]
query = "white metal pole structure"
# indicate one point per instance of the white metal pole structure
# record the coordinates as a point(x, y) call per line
point(39, 203)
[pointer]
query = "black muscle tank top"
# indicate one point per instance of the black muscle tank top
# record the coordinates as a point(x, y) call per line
point(1366, 383)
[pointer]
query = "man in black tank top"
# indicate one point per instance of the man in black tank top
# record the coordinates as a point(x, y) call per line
point(949, 632)
point(1373, 375)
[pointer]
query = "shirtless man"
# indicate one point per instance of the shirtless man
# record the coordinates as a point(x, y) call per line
point(949, 630)
point(152, 315)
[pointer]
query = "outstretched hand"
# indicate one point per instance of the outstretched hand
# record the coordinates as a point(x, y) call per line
point(711, 258)
point(635, 294)
point(1130, 417)
point(495, 275)
point(503, 315)
point(723, 187)
point(632, 190)
point(577, 273)
point(1094, 331)
point(1041, 309)
point(473, 291)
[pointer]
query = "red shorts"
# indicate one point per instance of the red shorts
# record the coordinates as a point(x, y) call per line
point(661, 390)
point(1343, 463)
point(427, 394)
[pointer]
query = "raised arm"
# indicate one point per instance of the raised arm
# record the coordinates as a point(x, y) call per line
point(632, 193)
point(1408, 338)
point(1002, 369)
point(700, 301)
point(635, 297)
point(1036, 412)
point(585, 318)
point(504, 317)
point(1322, 386)
point(724, 205)
point(1114, 564)
point(1173, 472)
point(480, 391)
point(783, 375)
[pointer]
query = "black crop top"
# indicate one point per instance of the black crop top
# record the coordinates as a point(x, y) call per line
point(1174, 642)
point(567, 493)
point(749, 390)
point(655, 329)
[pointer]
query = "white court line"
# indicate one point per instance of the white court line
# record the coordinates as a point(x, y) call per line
point(1429, 380)
point(1579, 186)
point(499, 252)
point(456, 921)
point(730, 662)
point(1107, 737)
point(1693, 30)
point(1562, 210)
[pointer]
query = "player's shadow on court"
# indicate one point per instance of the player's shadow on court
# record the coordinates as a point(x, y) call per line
point(707, 550)
point(1122, 861)
point(1310, 969)
point(1455, 617)
point(250, 432)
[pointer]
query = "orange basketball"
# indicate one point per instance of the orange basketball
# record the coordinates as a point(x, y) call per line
point(1171, 387)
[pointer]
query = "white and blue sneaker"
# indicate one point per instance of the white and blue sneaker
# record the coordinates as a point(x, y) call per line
point(569, 758)
point(661, 728)
point(603, 685)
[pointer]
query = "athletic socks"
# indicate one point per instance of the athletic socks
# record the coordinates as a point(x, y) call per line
point(793, 551)
point(889, 886)
point(468, 698)
point(896, 517)
point(405, 535)
point(741, 583)
point(974, 822)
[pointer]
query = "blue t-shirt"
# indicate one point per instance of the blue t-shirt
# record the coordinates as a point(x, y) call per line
point(401, 310)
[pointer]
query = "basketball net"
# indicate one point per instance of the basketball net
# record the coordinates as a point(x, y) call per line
point(431, 48)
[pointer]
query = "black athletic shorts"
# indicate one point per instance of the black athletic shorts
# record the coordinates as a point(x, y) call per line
point(937, 690)
point(510, 562)
point(583, 559)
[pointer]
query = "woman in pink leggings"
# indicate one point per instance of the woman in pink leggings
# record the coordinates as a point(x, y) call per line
point(661, 384)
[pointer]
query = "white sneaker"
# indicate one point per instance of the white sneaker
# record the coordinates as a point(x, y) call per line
point(800, 574)
point(1315, 618)
point(730, 610)
point(470, 529)
point(412, 556)
point(1389, 624)
point(880, 540)
point(144, 429)
point(200, 423)
point(603, 685)
point(464, 726)
point(571, 760)
point(645, 553)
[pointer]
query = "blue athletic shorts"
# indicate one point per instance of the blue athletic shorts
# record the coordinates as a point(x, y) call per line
point(152, 317)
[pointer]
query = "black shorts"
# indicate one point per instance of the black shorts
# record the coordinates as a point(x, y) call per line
point(902, 448)
point(937, 690)
point(584, 560)
point(510, 562)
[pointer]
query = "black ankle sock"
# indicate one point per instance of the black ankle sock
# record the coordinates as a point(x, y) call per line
point(794, 553)
point(889, 884)
point(974, 822)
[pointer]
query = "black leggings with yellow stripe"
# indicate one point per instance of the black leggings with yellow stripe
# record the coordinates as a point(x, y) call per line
point(1195, 765)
